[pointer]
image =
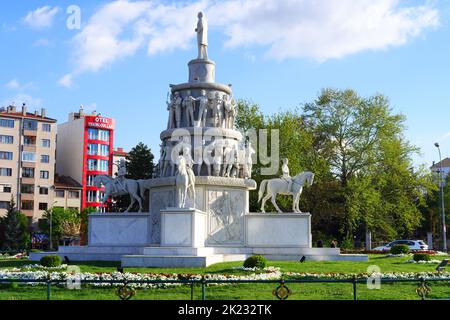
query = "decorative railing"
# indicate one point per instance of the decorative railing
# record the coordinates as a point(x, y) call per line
point(124, 290)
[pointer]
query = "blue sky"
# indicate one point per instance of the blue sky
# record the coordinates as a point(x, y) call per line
point(276, 53)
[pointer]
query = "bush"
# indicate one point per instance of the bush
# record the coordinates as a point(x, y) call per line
point(400, 249)
point(421, 257)
point(255, 261)
point(51, 261)
point(34, 250)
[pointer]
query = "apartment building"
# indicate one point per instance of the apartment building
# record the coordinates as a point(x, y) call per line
point(84, 150)
point(27, 160)
point(67, 193)
point(118, 155)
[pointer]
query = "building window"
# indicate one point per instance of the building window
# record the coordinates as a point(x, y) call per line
point(74, 195)
point(29, 124)
point(29, 141)
point(103, 135)
point(104, 150)
point(27, 188)
point(92, 164)
point(27, 172)
point(92, 149)
point(103, 165)
point(46, 143)
point(6, 139)
point(47, 127)
point(5, 155)
point(27, 205)
point(6, 123)
point(43, 190)
point(7, 189)
point(91, 196)
point(29, 156)
point(43, 206)
point(90, 179)
point(92, 134)
point(59, 193)
point(4, 204)
point(44, 174)
point(45, 158)
point(5, 172)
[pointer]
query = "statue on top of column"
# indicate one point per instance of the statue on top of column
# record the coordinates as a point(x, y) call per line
point(202, 37)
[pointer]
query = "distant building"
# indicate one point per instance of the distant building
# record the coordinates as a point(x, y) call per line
point(84, 148)
point(27, 160)
point(118, 154)
point(436, 168)
point(67, 193)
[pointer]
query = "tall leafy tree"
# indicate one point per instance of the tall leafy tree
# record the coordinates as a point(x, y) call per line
point(140, 162)
point(14, 227)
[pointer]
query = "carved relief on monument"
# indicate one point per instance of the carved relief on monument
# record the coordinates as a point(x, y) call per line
point(159, 199)
point(226, 217)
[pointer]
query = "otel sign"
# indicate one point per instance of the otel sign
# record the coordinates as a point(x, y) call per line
point(100, 122)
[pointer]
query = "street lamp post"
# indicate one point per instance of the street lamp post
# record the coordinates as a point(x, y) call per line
point(50, 212)
point(441, 182)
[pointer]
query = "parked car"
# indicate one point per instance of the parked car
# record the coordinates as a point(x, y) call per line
point(412, 244)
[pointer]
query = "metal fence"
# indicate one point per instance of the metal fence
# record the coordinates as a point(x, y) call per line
point(281, 289)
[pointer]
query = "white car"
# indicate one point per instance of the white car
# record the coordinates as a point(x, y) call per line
point(412, 244)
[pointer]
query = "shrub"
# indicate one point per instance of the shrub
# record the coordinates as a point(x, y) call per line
point(421, 257)
point(35, 250)
point(255, 261)
point(51, 261)
point(400, 249)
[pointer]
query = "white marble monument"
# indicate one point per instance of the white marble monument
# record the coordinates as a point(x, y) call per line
point(199, 201)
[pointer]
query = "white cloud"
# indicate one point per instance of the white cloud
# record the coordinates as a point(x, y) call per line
point(66, 80)
point(41, 17)
point(31, 102)
point(318, 30)
point(14, 84)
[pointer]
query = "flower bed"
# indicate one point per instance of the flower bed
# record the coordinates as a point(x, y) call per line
point(7, 256)
point(270, 273)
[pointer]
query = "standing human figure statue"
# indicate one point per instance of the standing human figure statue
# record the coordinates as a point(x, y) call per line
point(285, 173)
point(202, 109)
point(189, 106)
point(119, 181)
point(218, 110)
point(230, 157)
point(202, 36)
point(177, 107)
point(171, 109)
point(249, 152)
point(168, 163)
point(198, 156)
point(161, 163)
point(230, 111)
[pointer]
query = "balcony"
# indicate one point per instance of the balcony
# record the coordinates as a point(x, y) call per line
point(26, 180)
point(27, 196)
point(29, 148)
point(28, 132)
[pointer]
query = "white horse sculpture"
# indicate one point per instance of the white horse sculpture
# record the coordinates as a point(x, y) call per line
point(185, 180)
point(132, 188)
point(279, 186)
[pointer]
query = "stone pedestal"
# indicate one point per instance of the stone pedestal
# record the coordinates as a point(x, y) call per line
point(282, 230)
point(119, 229)
point(201, 70)
point(183, 228)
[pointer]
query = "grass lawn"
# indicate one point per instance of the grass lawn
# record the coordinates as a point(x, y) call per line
point(246, 291)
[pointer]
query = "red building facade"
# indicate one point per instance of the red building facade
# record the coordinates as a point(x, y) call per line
point(97, 158)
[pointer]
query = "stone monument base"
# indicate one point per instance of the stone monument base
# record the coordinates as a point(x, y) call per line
point(126, 237)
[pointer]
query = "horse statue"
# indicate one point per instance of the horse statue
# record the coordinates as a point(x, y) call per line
point(279, 186)
point(130, 187)
point(185, 180)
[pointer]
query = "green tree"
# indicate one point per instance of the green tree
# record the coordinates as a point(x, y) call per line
point(14, 229)
point(65, 223)
point(140, 162)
